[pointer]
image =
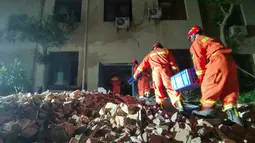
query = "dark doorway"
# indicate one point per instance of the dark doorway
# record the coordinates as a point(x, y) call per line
point(63, 70)
point(183, 58)
point(123, 71)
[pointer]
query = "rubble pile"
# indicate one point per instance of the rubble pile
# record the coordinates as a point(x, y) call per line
point(51, 117)
point(86, 117)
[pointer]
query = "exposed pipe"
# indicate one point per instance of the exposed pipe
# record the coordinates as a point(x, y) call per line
point(142, 18)
point(85, 47)
point(41, 11)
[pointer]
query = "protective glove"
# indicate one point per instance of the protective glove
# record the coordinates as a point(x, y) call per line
point(175, 69)
point(132, 80)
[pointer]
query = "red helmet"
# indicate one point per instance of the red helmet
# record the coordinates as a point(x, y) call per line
point(157, 44)
point(194, 30)
point(134, 62)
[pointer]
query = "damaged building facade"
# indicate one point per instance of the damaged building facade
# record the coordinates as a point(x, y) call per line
point(97, 47)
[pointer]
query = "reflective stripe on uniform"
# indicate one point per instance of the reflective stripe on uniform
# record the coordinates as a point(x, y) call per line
point(179, 104)
point(139, 69)
point(212, 102)
point(115, 78)
point(159, 100)
point(147, 94)
point(158, 53)
point(192, 56)
point(229, 106)
point(200, 72)
point(205, 39)
point(174, 68)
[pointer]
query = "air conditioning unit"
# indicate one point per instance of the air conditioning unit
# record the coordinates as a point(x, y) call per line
point(154, 13)
point(240, 30)
point(14, 35)
point(122, 23)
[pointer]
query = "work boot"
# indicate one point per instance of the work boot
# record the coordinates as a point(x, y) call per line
point(207, 112)
point(233, 116)
point(180, 108)
point(141, 99)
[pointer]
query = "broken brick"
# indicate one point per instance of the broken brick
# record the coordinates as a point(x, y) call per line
point(196, 140)
point(69, 116)
point(204, 131)
point(93, 140)
point(182, 135)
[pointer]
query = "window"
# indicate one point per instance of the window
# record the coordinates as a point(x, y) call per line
point(183, 58)
point(117, 8)
point(173, 9)
point(123, 71)
point(236, 18)
point(63, 69)
point(67, 8)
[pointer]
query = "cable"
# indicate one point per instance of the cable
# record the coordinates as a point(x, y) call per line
point(244, 71)
point(142, 18)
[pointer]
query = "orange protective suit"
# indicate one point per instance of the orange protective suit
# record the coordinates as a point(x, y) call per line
point(161, 61)
point(142, 83)
point(218, 77)
point(115, 82)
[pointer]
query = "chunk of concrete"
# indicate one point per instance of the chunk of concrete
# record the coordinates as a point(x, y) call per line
point(93, 140)
point(120, 121)
point(196, 140)
point(182, 135)
point(102, 90)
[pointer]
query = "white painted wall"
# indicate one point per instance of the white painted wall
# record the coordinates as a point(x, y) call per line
point(107, 46)
point(104, 44)
point(17, 49)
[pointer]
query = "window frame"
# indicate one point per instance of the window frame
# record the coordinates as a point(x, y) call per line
point(116, 6)
point(178, 17)
point(71, 5)
point(73, 57)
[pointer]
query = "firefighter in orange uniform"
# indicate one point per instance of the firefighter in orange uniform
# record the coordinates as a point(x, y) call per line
point(217, 74)
point(115, 82)
point(162, 63)
point(143, 82)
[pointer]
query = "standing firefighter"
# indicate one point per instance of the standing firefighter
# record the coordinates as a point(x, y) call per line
point(218, 76)
point(143, 82)
point(162, 62)
point(115, 82)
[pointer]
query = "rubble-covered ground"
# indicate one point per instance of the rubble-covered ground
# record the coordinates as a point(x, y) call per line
point(85, 117)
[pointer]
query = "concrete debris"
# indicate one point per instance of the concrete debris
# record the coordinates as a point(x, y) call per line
point(93, 117)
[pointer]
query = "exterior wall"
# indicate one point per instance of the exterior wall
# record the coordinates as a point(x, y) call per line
point(248, 11)
point(105, 45)
point(249, 18)
point(16, 49)
point(76, 43)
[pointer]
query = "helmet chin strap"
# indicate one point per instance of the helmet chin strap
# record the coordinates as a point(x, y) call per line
point(193, 37)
